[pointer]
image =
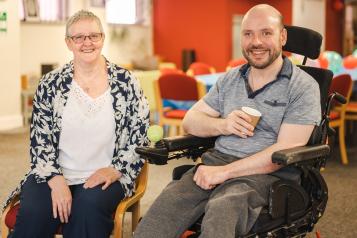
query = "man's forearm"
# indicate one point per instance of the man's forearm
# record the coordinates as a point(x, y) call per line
point(290, 136)
point(200, 124)
point(259, 163)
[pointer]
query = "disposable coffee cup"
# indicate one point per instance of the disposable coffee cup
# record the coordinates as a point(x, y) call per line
point(253, 114)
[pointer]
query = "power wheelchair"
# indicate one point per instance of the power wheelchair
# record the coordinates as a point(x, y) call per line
point(294, 208)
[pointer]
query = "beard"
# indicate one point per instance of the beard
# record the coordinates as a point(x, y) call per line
point(272, 56)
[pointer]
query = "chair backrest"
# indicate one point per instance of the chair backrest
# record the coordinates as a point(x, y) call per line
point(179, 87)
point(303, 41)
point(235, 62)
point(176, 87)
point(324, 78)
point(342, 84)
point(307, 42)
point(198, 68)
point(171, 71)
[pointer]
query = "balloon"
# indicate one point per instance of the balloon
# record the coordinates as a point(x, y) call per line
point(155, 133)
point(334, 61)
point(350, 62)
point(323, 61)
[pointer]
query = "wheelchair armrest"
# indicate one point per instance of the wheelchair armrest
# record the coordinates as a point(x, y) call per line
point(192, 145)
point(300, 154)
point(188, 142)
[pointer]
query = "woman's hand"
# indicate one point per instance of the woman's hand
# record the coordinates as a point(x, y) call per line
point(61, 198)
point(103, 175)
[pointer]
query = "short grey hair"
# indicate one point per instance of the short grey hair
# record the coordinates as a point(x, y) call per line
point(81, 15)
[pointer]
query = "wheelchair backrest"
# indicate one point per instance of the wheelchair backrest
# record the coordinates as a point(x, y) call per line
point(307, 42)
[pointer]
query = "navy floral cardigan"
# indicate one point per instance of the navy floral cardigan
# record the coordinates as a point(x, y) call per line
point(131, 118)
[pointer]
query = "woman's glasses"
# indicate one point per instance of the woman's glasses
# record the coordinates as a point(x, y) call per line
point(94, 37)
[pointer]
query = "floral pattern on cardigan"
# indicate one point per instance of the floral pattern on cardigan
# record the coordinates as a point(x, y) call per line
point(131, 117)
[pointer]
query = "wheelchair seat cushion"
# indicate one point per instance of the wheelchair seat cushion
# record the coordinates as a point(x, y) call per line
point(175, 114)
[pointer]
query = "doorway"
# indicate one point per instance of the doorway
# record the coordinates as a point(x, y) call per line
point(236, 27)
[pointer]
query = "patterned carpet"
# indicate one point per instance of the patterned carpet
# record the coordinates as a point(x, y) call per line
point(339, 221)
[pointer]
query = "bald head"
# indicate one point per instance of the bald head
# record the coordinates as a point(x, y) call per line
point(263, 36)
point(266, 11)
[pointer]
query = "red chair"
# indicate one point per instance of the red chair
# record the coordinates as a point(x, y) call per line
point(198, 68)
point(342, 84)
point(176, 87)
point(129, 204)
point(171, 71)
point(235, 62)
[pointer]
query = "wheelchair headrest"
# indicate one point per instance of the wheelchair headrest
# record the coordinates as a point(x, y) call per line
point(303, 41)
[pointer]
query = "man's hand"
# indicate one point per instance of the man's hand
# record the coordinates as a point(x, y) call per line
point(61, 198)
point(103, 175)
point(207, 177)
point(237, 123)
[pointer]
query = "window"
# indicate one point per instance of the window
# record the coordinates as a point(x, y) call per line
point(21, 10)
point(43, 10)
point(52, 10)
point(124, 11)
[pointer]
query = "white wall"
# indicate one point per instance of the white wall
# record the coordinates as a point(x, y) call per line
point(10, 104)
point(42, 43)
point(310, 14)
point(49, 38)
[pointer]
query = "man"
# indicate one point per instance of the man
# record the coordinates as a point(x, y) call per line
point(233, 184)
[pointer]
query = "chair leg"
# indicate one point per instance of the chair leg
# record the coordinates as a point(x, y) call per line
point(4, 228)
point(135, 215)
point(341, 137)
point(182, 132)
point(118, 226)
point(178, 130)
point(4, 231)
point(172, 131)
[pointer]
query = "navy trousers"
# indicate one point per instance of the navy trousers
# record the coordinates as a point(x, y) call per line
point(91, 213)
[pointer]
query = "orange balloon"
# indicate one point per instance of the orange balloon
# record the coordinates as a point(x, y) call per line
point(323, 61)
point(350, 62)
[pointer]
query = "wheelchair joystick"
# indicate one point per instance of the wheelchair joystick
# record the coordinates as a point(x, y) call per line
point(157, 153)
point(160, 144)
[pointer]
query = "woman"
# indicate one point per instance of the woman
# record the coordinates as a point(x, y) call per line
point(88, 118)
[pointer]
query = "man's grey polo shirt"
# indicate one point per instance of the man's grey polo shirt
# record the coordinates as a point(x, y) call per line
point(293, 98)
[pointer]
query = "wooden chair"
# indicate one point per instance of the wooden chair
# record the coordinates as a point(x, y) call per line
point(198, 68)
point(176, 87)
point(235, 62)
point(351, 111)
point(130, 204)
point(342, 84)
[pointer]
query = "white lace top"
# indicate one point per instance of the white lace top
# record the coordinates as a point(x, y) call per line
point(88, 135)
